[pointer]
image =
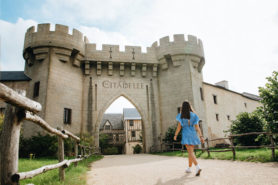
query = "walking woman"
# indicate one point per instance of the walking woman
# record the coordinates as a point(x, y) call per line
point(188, 122)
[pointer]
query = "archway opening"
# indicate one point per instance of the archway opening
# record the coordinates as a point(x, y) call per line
point(121, 130)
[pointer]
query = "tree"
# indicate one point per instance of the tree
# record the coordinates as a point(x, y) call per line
point(247, 122)
point(269, 95)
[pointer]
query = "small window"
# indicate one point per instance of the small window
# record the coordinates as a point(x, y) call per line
point(179, 110)
point(217, 117)
point(131, 123)
point(107, 127)
point(36, 89)
point(245, 105)
point(228, 117)
point(133, 134)
point(215, 99)
point(67, 116)
point(201, 93)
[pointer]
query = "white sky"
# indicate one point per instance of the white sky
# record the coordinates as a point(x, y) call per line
point(240, 37)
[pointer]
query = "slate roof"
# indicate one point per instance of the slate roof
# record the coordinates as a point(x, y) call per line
point(13, 76)
point(115, 120)
point(245, 94)
point(131, 114)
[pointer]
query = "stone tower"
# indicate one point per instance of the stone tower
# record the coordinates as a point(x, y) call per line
point(73, 74)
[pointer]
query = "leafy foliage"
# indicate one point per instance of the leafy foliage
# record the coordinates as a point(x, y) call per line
point(169, 136)
point(43, 146)
point(103, 141)
point(248, 122)
point(137, 149)
point(269, 95)
point(111, 150)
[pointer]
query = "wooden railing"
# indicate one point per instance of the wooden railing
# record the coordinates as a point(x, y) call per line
point(232, 147)
point(20, 108)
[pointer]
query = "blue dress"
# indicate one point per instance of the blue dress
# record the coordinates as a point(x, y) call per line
point(189, 134)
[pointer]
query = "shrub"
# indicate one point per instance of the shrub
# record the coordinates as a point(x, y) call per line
point(43, 146)
point(103, 141)
point(169, 136)
point(137, 149)
point(247, 122)
point(110, 150)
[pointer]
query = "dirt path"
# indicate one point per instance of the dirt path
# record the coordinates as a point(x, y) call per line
point(161, 170)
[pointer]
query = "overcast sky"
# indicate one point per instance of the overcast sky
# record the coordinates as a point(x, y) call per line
point(240, 37)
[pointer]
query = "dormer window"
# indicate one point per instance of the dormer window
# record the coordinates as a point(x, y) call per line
point(107, 126)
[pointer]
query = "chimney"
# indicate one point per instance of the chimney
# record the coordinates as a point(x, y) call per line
point(223, 83)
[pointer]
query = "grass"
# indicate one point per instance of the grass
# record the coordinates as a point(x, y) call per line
point(251, 155)
point(73, 175)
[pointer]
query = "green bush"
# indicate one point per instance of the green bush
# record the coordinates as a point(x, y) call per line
point(110, 150)
point(137, 149)
point(248, 122)
point(169, 136)
point(43, 146)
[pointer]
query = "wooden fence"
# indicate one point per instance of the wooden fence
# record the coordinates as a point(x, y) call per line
point(176, 146)
point(232, 147)
point(20, 108)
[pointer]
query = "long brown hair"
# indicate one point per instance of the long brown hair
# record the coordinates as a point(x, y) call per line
point(185, 110)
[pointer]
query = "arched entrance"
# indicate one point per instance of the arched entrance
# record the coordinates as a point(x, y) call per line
point(121, 129)
point(137, 107)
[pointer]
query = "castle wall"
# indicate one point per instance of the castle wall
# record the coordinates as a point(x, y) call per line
point(228, 104)
point(107, 87)
point(38, 70)
point(15, 85)
point(65, 85)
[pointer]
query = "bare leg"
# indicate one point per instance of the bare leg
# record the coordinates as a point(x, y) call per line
point(189, 157)
point(190, 149)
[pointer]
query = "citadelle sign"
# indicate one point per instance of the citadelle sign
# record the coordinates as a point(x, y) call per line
point(122, 85)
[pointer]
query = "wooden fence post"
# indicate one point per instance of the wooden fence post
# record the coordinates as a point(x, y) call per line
point(208, 147)
point(61, 157)
point(272, 146)
point(233, 147)
point(81, 150)
point(75, 151)
point(10, 144)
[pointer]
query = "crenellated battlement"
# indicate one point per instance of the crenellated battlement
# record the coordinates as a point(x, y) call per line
point(60, 37)
point(76, 48)
point(191, 46)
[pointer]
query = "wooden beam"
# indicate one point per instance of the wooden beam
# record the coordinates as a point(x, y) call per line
point(218, 139)
point(250, 133)
point(39, 121)
point(61, 157)
point(220, 150)
point(9, 143)
point(33, 173)
point(12, 97)
point(71, 135)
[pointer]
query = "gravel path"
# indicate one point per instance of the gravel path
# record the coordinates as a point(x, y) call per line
point(145, 169)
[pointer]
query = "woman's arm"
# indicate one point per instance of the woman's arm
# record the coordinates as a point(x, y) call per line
point(199, 133)
point(177, 131)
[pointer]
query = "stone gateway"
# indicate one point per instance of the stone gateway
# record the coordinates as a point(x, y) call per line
point(76, 83)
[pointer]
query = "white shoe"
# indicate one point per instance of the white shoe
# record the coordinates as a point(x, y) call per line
point(198, 171)
point(188, 170)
